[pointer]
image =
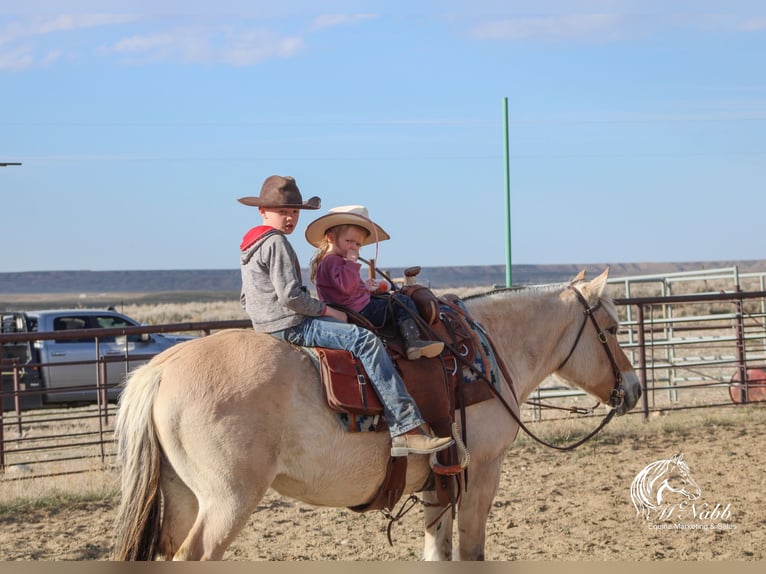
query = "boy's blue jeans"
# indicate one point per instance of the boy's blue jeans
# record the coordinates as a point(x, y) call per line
point(399, 409)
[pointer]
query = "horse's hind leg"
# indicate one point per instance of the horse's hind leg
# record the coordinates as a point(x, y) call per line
point(223, 510)
point(179, 513)
point(218, 522)
point(438, 527)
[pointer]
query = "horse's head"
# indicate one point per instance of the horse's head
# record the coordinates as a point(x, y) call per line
point(596, 363)
point(678, 480)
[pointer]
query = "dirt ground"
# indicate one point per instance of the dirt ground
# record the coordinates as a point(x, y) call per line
point(551, 505)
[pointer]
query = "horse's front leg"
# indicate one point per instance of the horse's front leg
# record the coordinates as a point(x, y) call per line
point(475, 507)
point(438, 529)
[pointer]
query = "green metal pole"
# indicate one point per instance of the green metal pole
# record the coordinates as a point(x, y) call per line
point(508, 272)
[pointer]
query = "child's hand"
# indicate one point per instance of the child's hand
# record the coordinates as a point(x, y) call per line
point(335, 314)
point(375, 287)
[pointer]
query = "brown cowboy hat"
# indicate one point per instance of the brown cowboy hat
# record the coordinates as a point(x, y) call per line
point(278, 191)
point(345, 215)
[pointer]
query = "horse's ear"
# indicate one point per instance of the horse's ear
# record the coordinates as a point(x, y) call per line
point(599, 283)
point(579, 277)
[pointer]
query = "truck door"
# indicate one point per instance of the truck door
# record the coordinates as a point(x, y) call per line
point(17, 354)
point(58, 354)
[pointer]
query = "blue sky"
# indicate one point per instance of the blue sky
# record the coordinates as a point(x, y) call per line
point(637, 129)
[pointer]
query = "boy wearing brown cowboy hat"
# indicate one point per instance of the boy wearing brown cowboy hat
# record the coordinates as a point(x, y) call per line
point(338, 236)
point(277, 302)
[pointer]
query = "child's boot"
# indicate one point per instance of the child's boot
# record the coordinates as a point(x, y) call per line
point(416, 347)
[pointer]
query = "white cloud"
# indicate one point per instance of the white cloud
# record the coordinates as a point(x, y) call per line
point(754, 24)
point(256, 46)
point(62, 23)
point(610, 27)
point(10, 33)
point(227, 46)
point(595, 27)
point(50, 39)
point(134, 44)
point(17, 59)
point(68, 22)
point(51, 57)
point(331, 20)
point(35, 31)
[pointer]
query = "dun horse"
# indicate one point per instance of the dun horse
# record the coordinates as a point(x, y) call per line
point(208, 426)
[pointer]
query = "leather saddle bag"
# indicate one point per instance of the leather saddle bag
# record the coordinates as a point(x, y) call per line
point(348, 389)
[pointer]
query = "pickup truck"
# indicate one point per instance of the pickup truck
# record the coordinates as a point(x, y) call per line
point(65, 369)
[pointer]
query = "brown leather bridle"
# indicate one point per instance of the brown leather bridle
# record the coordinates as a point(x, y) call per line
point(617, 396)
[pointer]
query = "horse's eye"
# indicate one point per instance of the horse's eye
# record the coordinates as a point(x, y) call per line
point(613, 330)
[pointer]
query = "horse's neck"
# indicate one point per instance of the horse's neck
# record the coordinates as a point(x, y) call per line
point(526, 328)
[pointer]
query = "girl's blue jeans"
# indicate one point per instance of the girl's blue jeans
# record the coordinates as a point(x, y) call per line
point(381, 310)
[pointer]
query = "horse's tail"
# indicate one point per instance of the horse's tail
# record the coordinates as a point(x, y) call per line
point(137, 527)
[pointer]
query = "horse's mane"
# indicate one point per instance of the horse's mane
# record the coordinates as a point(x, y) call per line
point(518, 291)
point(531, 290)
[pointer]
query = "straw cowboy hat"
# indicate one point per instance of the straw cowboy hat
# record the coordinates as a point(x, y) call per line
point(278, 191)
point(345, 215)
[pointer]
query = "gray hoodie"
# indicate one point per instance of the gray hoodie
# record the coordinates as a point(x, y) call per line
point(273, 294)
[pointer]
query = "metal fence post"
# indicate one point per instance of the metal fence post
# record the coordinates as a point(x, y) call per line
point(642, 362)
point(739, 325)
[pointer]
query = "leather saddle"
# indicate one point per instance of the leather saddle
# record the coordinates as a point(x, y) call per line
point(438, 385)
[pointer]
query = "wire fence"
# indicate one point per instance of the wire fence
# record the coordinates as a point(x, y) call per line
point(696, 350)
point(703, 348)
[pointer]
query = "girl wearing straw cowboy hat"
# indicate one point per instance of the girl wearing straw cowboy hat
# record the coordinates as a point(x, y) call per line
point(277, 302)
point(335, 271)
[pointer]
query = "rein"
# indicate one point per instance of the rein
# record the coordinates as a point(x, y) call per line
point(524, 427)
point(616, 399)
point(617, 396)
point(618, 392)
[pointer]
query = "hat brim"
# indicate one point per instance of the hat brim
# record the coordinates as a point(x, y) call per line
point(317, 228)
point(311, 203)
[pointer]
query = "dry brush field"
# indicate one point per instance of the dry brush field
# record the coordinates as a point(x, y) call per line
point(551, 505)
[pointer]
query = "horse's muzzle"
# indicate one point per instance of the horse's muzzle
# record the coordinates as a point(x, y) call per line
point(632, 392)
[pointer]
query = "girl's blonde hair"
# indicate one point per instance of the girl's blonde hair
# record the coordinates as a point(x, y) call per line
point(325, 246)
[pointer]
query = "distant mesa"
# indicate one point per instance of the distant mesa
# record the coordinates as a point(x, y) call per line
point(229, 280)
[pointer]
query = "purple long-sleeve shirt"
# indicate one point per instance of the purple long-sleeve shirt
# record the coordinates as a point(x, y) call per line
point(338, 281)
